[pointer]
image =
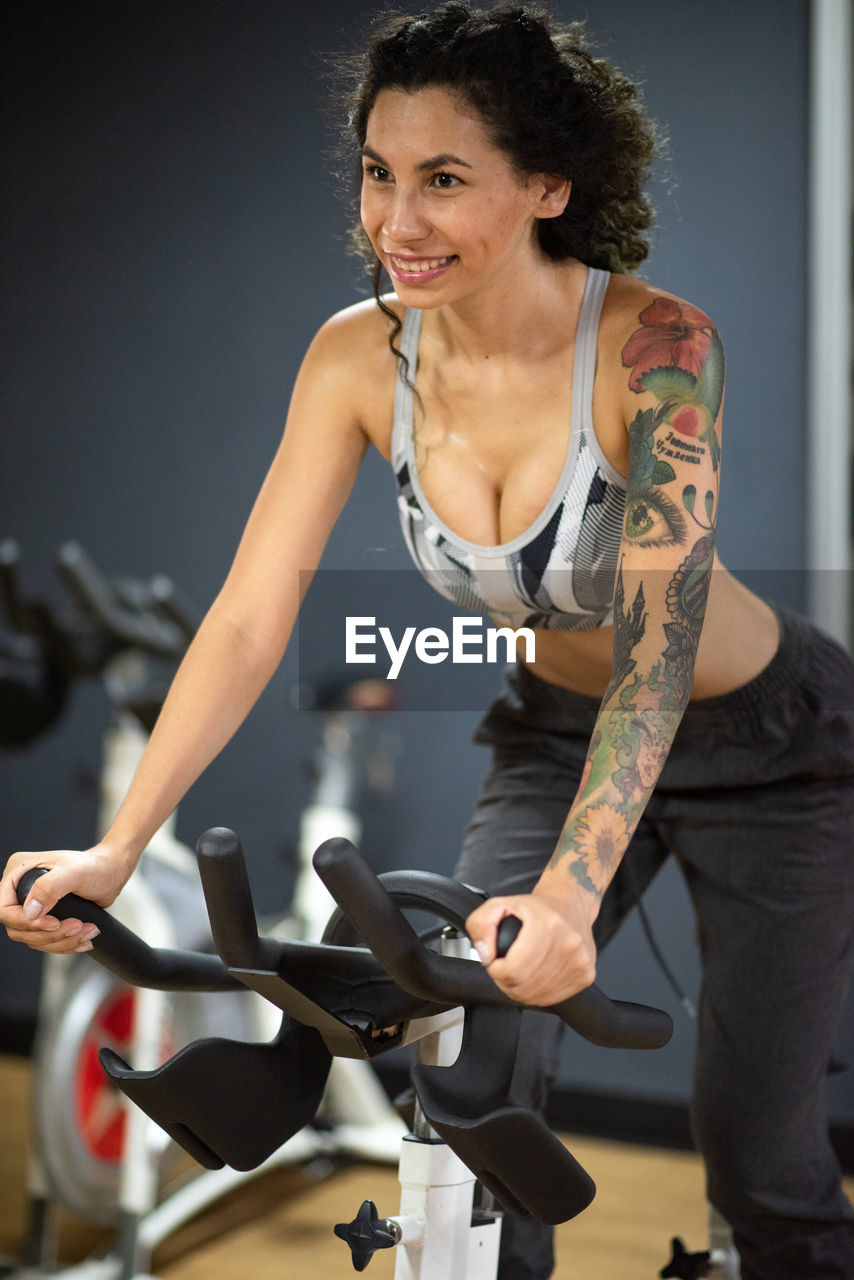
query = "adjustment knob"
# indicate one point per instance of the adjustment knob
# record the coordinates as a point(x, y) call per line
point(365, 1234)
point(684, 1265)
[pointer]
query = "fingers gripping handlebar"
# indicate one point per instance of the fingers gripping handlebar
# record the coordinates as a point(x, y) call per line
point(118, 949)
point(361, 895)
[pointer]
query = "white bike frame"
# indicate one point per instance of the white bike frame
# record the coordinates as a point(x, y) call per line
point(362, 1120)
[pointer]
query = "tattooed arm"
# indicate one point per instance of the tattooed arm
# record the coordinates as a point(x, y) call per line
point(673, 399)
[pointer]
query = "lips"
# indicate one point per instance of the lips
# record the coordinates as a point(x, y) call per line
point(418, 270)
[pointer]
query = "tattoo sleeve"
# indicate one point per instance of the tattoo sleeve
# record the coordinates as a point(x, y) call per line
point(676, 368)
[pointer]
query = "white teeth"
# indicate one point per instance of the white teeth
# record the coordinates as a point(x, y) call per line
point(428, 264)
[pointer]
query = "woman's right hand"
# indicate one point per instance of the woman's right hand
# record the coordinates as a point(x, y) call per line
point(96, 874)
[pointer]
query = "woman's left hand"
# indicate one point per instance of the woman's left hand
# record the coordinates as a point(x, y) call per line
point(554, 955)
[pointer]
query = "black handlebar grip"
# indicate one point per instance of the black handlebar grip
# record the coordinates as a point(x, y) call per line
point(367, 904)
point(615, 1024)
point(90, 587)
point(131, 959)
point(612, 1023)
point(229, 898)
point(370, 909)
point(508, 931)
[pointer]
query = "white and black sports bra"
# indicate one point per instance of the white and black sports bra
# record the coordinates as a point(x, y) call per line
point(558, 574)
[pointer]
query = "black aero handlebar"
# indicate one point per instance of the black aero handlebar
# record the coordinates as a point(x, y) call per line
point(228, 895)
point(118, 949)
point(363, 898)
point(425, 974)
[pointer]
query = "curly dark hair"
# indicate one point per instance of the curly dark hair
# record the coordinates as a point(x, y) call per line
point(547, 103)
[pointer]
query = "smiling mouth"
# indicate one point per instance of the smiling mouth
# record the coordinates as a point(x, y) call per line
point(418, 266)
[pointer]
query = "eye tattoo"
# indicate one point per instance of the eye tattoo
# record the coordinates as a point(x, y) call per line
point(652, 520)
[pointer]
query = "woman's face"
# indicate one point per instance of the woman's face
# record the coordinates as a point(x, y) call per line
point(445, 210)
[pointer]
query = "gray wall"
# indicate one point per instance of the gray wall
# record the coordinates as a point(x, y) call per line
point(172, 239)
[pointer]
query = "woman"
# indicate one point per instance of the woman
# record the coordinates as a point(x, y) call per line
point(553, 424)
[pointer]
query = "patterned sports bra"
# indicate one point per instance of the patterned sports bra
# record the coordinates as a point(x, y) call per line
point(560, 572)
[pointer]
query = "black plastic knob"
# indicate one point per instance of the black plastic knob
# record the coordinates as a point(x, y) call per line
point(365, 1234)
point(684, 1265)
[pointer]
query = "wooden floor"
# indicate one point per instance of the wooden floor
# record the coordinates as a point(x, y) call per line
point(281, 1225)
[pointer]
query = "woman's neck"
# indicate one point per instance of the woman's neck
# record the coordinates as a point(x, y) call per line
point(525, 317)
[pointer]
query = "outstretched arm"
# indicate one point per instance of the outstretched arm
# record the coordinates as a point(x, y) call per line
point(673, 399)
point(237, 647)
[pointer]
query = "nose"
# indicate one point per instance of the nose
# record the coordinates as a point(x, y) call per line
point(405, 220)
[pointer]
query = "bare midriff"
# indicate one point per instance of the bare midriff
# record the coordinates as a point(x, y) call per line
point(739, 638)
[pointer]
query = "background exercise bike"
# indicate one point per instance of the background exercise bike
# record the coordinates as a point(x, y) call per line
point(91, 1153)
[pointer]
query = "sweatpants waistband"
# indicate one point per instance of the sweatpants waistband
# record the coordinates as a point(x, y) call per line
point(805, 658)
point(794, 719)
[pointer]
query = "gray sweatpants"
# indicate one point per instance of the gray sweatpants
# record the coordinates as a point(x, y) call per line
point(756, 803)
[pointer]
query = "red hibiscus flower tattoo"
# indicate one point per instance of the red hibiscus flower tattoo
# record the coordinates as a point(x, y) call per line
point(674, 334)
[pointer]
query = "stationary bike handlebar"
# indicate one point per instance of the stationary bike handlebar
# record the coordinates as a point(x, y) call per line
point(44, 648)
point(371, 910)
point(147, 616)
point(422, 972)
point(125, 954)
point(107, 616)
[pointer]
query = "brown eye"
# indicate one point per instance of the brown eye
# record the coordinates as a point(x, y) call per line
point(377, 173)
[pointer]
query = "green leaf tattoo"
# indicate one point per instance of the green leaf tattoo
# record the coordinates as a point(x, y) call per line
point(652, 519)
point(648, 468)
point(670, 383)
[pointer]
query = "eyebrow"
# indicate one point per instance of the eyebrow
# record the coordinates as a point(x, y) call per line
point(435, 162)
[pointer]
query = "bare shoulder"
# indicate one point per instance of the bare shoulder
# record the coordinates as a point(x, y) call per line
point(632, 304)
point(645, 328)
point(350, 352)
point(362, 322)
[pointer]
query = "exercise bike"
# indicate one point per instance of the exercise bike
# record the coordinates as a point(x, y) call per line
point(129, 634)
point(371, 983)
point(92, 1153)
